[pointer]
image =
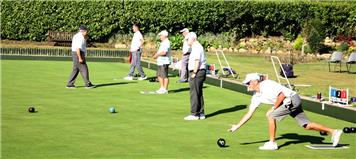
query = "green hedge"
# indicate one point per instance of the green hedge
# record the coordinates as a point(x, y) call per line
point(30, 20)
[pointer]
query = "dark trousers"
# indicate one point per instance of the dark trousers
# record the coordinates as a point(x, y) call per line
point(196, 92)
point(79, 67)
point(136, 63)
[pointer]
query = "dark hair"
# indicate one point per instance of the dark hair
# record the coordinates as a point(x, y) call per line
point(83, 27)
point(136, 25)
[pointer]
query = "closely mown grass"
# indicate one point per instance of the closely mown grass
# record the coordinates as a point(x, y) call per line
point(315, 74)
point(77, 124)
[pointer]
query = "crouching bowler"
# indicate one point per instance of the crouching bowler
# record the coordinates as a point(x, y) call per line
point(284, 102)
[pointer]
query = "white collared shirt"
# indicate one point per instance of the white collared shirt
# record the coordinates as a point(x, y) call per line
point(269, 91)
point(136, 41)
point(197, 54)
point(79, 41)
point(166, 47)
point(186, 47)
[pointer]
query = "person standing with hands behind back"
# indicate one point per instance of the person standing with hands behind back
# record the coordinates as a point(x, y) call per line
point(79, 49)
point(197, 75)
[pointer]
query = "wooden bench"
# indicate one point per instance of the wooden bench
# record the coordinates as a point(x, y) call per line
point(60, 38)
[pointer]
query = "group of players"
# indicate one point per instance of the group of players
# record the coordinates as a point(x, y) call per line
point(284, 101)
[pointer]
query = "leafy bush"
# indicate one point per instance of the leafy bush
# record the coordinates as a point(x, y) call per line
point(307, 49)
point(121, 38)
point(351, 49)
point(314, 33)
point(343, 47)
point(298, 43)
point(223, 40)
point(31, 20)
point(176, 41)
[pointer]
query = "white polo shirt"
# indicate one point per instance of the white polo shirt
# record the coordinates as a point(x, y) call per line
point(196, 54)
point(269, 91)
point(79, 41)
point(136, 41)
point(186, 47)
point(166, 47)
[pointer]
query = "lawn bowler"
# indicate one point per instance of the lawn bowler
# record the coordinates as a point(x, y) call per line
point(79, 48)
point(185, 57)
point(136, 51)
point(163, 60)
point(285, 102)
point(197, 75)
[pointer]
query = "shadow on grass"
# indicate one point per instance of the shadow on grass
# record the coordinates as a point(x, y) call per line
point(296, 139)
point(227, 110)
point(182, 89)
point(110, 84)
point(152, 79)
point(342, 71)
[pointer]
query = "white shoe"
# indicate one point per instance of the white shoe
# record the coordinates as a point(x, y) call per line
point(191, 117)
point(269, 146)
point(162, 91)
point(335, 138)
point(142, 78)
point(130, 78)
point(201, 116)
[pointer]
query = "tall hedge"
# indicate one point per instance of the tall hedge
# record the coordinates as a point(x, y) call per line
point(31, 20)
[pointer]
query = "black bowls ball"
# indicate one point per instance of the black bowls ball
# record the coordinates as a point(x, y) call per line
point(221, 142)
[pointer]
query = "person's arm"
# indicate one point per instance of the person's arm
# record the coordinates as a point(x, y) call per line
point(196, 56)
point(195, 70)
point(160, 53)
point(279, 100)
point(244, 119)
point(79, 56)
point(141, 43)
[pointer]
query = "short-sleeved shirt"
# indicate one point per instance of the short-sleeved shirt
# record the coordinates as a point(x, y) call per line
point(166, 47)
point(197, 54)
point(186, 47)
point(79, 41)
point(136, 41)
point(269, 91)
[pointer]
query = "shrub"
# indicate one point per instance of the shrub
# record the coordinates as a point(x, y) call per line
point(351, 49)
point(31, 20)
point(176, 41)
point(343, 47)
point(307, 49)
point(298, 43)
point(121, 38)
point(314, 33)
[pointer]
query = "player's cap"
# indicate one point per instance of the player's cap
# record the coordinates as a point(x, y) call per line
point(192, 36)
point(250, 77)
point(164, 33)
point(184, 30)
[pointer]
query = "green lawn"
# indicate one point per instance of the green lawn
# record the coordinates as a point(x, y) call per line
point(315, 74)
point(76, 123)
